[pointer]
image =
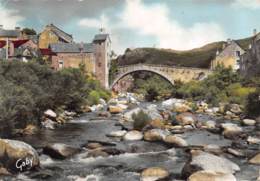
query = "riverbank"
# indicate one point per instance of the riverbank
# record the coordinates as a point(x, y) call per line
point(178, 143)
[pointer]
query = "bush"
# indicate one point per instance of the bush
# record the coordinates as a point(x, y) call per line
point(28, 89)
point(141, 119)
point(253, 104)
point(93, 98)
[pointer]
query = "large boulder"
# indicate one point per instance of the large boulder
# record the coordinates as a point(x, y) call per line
point(211, 176)
point(50, 114)
point(186, 119)
point(231, 130)
point(115, 109)
point(60, 150)
point(177, 105)
point(154, 173)
point(133, 136)
point(175, 141)
point(128, 115)
point(17, 156)
point(235, 108)
point(155, 135)
point(153, 112)
point(206, 161)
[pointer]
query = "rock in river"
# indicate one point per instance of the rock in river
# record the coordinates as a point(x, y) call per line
point(60, 150)
point(211, 176)
point(175, 140)
point(205, 161)
point(186, 119)
point(50, 113)
point(13, 153)
point(133, 136)
point(119, 133)
point(231, 130)
point(154, 173)
point(249, 122)
point(115, 109)
point(155, 135)
point(255, 159)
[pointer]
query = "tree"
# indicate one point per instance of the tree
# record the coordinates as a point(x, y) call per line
point(29, 31)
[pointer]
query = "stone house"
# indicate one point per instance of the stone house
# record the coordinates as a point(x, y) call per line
point(229, 56)
point(250, 61)
point(94, 57)
point(52, 34)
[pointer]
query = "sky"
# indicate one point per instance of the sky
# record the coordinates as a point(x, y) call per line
point(172, 24)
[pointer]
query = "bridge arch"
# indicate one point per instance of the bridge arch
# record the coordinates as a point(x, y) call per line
point(142, 68)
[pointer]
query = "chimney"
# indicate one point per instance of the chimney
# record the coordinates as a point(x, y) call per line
point(254, 32)
point(1, 27)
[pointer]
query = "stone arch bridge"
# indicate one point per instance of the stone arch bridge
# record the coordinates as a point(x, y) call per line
point(170, 73)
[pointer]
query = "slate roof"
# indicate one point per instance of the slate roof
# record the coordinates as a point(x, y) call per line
point(9, 33)
point(71, 47)
point(63, 35)
point(34, 38)
point(101, 37)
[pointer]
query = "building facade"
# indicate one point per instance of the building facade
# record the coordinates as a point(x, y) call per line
point(52, 34)
point(250, 61)
point(229, 56)
point(93, 57)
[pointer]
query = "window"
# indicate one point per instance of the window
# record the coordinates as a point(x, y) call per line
point(238, 53)
point(61, 64)
point(99, 64)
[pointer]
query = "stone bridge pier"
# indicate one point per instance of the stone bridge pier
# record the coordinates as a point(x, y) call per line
point(169, 73)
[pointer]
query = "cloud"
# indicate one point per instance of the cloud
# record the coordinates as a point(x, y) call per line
point(251, 4)
point(94, 22)
point(154, 20)
point(60, 12)
point(9, 17)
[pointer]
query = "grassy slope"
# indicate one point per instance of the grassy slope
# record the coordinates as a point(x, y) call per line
point(199, 57)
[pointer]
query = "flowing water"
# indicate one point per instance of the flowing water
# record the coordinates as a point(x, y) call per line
point(124, 167)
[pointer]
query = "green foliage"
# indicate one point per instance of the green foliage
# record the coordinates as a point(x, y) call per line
point(28, 89)
point(113, 70)
point(224, 85)
point(29, 31)
point(253, 104)
point(141, 119)
point(152, 86)
point(93, 97)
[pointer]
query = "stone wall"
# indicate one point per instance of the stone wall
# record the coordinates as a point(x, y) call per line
point(46, 38)
point(74, 60)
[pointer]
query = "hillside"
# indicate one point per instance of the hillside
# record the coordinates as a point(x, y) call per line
point(198, 57)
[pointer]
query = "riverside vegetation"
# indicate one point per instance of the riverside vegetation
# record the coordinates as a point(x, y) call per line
point(223, 86)
point(29, 89)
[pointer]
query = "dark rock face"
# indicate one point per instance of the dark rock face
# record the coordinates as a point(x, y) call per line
point(60, 151)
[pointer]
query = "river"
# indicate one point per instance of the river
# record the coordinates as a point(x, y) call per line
point(126, 166)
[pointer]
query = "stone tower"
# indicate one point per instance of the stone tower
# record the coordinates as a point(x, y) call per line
point(102, 50)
